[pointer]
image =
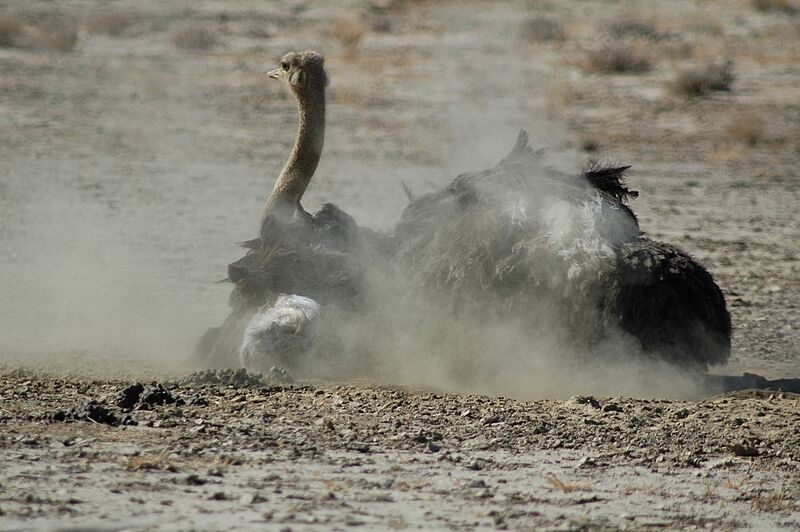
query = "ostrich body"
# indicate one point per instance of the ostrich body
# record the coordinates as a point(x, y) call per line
point(564, 250)
point(503, 240)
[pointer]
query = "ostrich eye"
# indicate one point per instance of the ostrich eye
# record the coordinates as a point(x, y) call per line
point(284, 65)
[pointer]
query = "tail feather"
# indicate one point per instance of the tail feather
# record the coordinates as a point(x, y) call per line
point(520, 148)
point(409, 194)
point(609, 179)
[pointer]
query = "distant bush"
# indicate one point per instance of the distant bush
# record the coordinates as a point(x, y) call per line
point(194, 38)
point(258, 30)
point(617, 59)
point(59, 34)
point(783, 6)
point(10, 29)
point(589, 144)
point(111, 23)
point(701, 81)
point(542, 29)
point(634, 28)
point(350, 32)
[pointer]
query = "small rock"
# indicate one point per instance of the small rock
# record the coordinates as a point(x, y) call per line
point(491, 420)
point(195, 480)
point(92, 411)
point(251, 498)
point(130, 396)
point(741, 449)
point(196, 400)
point(215, 472)
point(280, 375)
point(582, 400)
point(155, 394)
point(680, 414)
point(476, 465)
point(358, 446)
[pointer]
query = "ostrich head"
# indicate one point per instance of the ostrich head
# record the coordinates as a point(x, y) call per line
point(302, 72)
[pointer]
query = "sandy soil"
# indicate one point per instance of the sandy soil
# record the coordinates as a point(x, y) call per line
point(131, 166)
point(320, 457)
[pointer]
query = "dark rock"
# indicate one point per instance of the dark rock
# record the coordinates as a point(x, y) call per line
point(195, 480)
point(743, 449)
point(92, 411)
point(155, 394)
point(97, 413)
point(130, 396)
point(196, 400)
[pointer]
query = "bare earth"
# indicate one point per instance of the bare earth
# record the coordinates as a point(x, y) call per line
point(131, 166)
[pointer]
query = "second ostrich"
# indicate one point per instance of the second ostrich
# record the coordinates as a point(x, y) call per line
point(494, 241)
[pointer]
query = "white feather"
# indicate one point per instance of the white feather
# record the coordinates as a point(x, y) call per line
point(280, 332)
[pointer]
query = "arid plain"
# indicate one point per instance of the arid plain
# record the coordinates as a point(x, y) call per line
point(138, 142)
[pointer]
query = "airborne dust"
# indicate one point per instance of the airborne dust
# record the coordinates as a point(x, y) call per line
point(112, 265)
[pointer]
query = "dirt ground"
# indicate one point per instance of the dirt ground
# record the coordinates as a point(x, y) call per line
point(137, 154)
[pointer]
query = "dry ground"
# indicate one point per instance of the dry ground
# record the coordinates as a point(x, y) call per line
point(138, 141)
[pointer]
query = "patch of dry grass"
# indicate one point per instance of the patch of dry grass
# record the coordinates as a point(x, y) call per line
point(773, 501)
point(111, 23)
point(746, 127)
point(542, 29)
point(617, 59)
point(350, 32)
point(59, 34)
point(781, 6)
point(726, 152)
point(565, 487)
point(706, 26)
point(636, 28)
point(677, 49)
point(10, 29)
point(403, 5)
point(701, 81)
point(194, 38)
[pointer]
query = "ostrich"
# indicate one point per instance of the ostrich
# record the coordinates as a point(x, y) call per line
point(314, 256)
point(500, 239)
point(523, 234)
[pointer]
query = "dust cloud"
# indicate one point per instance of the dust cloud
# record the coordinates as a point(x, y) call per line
point(82, 294)
point(540, 343)
point(93, 288)
point(414, 338)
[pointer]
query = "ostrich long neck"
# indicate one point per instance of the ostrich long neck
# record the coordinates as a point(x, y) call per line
point(302, 163)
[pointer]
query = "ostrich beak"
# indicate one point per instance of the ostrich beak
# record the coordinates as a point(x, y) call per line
point(274, 74)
